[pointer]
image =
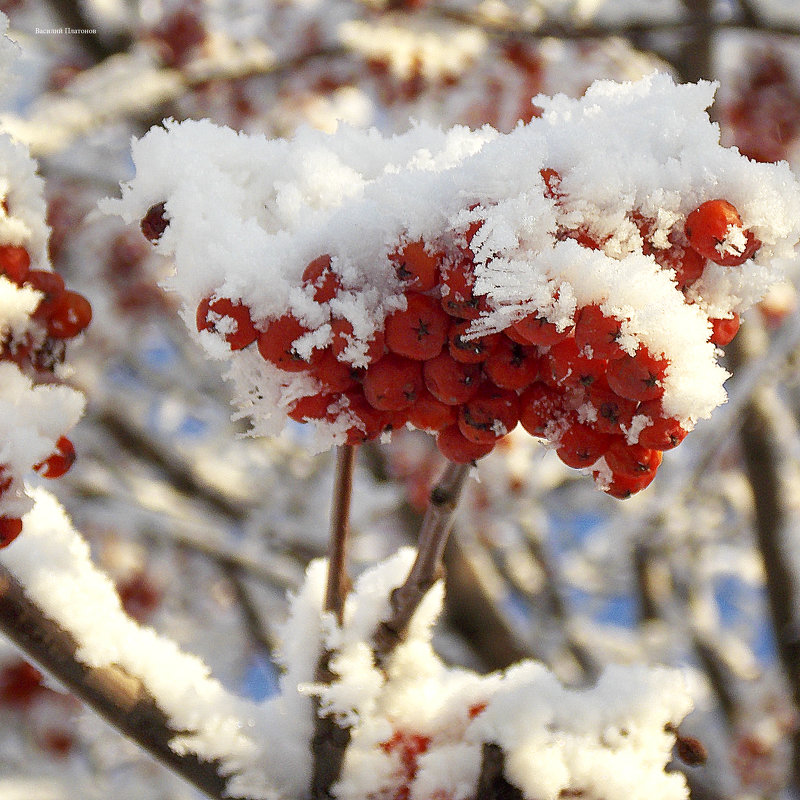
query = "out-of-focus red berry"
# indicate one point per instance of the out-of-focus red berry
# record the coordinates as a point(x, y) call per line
point(14, 263)
point(70, 315)
point(723, 331)
point(10, 528)
point(154, 222)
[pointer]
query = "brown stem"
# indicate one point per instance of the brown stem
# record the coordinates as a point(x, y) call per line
point(492, 785)
point(122, 700)
point(330, 740)
point(338, 582)
point(427, 567)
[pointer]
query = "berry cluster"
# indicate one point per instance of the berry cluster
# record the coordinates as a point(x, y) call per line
point(574, 385)
point(60, 315)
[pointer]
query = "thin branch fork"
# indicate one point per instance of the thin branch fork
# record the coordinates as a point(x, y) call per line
point(427, 567)
point(119, 698)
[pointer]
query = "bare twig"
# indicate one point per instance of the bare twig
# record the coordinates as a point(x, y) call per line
point(492, 785)
point(330, 740)
point(427, 567)
point(338, 580)
point(119, 698)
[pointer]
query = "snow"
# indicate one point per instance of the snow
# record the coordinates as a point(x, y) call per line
point(247, 214)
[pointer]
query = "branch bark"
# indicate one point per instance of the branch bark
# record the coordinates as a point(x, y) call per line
point(427, 567)
point(117, 697)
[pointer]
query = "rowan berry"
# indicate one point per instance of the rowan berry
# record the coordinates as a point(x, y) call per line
point(10, 528)
point(580, 446)
point(454, 446)
point(430, 414)
point(581, 236)
point(276, 344)
point(569, 368)
point(469, 349)
point(51, 285)
point(313, 406)
point(14, 263)
point(632, 459)
point(540, 405)
point(512, 365)
point(686, 262)
point(597, 333)
point(416, 267)
point(394, 383)
point(154, 222)
point(489, 415)
point(450, 381)
point(535, 329)
point(343, 337)
point(614, 413)
point(229, 319)
point(552, 183)
point(368, 421)
point(59, 462)
point(419, 331)
point(322, 278)
point(20, 682)
point(458, 282)
point(335, 375)
point(623, 486)
point(71, 313)
point(723, 331)
point(637, 377)
point(662, 432)
point(714, 229)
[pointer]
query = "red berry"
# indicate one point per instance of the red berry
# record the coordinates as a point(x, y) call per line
point(139, 597)
point(632, 459)
point(419, 331)
point(712, 230)
point(540, 405)
point(512, 365)
point(14, 263)
point(454, 446)
point(229, 319)
point(450, 381)
point(430, 414)
point(637, 377)
point(276, 344)
point(416, 267)
point(59, 462)
point(469, 349)
point(10, 528)
point(623, 486)
point(343, 336)
point(325, 281)
point(368, 421)
point(535, 329)
point(458, 280)
point(314, 406)
point(20, 682)
point(598, 332)
point(154, 222)
point(723, 331)
point(334, 375)
point(394, 383)
point(552, 183)
point(614, 413)
point(580, 446)
point(581, 236)
point(70, 315)
point(51, 284)
point(490, 415)
point(687, 263)
point(570, 369)
point(662, 433)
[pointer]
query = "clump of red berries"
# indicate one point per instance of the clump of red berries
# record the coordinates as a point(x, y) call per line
point(572, 383)
point(60, 315)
